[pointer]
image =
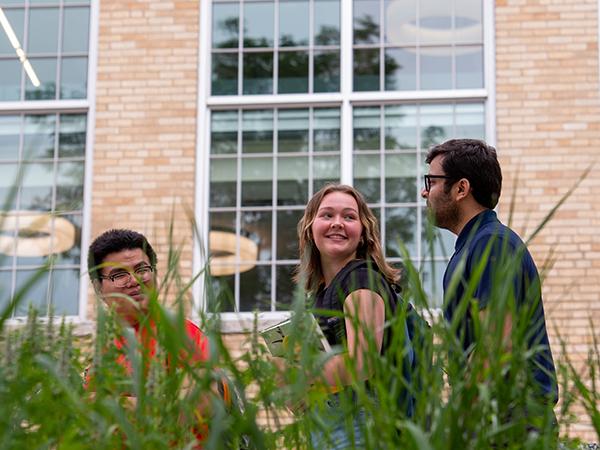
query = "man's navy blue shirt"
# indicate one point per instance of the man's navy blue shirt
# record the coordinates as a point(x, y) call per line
point(482, 232)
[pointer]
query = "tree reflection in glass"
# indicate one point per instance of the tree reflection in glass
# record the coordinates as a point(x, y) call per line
point(400, 226)
point(255, 289)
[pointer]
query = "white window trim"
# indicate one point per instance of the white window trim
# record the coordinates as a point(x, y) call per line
point(345, 99)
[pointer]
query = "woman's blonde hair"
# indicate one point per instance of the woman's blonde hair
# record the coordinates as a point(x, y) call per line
point(310, 272)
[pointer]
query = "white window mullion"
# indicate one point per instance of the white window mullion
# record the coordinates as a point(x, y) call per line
point(346, 80)
point(201, 244)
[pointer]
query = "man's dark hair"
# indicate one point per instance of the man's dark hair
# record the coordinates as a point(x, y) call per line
point(113, 241)
point(474, 160)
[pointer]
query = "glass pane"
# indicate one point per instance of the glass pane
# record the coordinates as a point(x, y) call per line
point(366, 21)
point(222, 221)
point(470, 120)
point(287, 236)
point(468, 21)
point(469, 67)
point(327, 71)
point(257, 131)
point(73, 78)
point(258, 73)
point(224, 132)
point(71, 140)
point(38, 138)
point(366, 128)
point(400, 127)
point(436, 124)
point(435, 242)
point(400, 22)
point(327, 22)
point(401, 69)
point(286, 288)
point(435, 22)
point(257, 181)
point(45, 69)
point(292, 130)
point(366, 70)
point(36, 189)
point(255, 289)
point(293, 23)
point(255, 226)
point(326, 130)
point(8, 179)
point(36, 293)
point(5, 285)
point(10, 127)
point(436, 68)
point(69, 186)
point(225, 25)
point(400, 226)
point(400, 178)
point(224, 74)
point(258, 24)
point(293, 72)
point(292, 180)
point(223, 176)
point(221, 296)
point(65, 292)
point(43, 31)
point(68, 246)
point(10, 84)
point(76, 28)
point(432, 279)
point(15, 19)
point(367, 177)
point(326, 169)
point(223, 243)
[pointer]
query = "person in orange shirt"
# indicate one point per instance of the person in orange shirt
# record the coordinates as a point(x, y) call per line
point(122, 267)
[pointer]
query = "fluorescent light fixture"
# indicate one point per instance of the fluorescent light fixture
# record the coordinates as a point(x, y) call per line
point(12, 37)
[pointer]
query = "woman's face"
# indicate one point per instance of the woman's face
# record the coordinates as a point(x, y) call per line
point(337, 228)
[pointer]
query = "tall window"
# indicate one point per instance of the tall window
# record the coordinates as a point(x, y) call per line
point(43, 56)
point(308, 91)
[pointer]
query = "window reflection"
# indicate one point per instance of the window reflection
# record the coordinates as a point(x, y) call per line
point(258, 24)
point(400, 226)
point(225, 25)
point(255, 289)
point(293, 23)
point(292, 130)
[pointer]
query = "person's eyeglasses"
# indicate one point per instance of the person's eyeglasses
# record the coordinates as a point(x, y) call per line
point(428, 178)
point(122, 279)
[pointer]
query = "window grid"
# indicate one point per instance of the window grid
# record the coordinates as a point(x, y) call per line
point(26, 90)
point(14, 264)
point(348, 101)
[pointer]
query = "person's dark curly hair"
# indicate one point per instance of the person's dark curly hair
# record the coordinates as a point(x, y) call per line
point(113, 241)
point(474, 160)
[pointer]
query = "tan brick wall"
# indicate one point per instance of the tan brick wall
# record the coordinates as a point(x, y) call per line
point(144, 153)
point(548, 133)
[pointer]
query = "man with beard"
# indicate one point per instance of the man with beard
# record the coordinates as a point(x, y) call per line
point(491, 268)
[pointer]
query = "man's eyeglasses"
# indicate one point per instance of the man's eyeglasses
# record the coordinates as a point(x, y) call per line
point(428, 178)
point(122, 279)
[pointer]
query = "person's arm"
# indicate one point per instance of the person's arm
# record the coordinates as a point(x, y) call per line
point(364, 312)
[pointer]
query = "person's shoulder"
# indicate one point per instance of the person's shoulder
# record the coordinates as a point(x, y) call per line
point(192, 329)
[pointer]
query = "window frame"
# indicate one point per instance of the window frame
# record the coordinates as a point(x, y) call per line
point(346, 100)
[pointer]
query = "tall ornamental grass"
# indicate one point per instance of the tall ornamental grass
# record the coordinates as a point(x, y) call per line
point(459, 402)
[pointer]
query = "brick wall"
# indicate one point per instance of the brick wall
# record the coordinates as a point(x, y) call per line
point(548, 133)
point(144, 154)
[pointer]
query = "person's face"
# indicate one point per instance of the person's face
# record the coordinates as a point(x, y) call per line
point(337, 228)
point(442, 207)
point(124, 264)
